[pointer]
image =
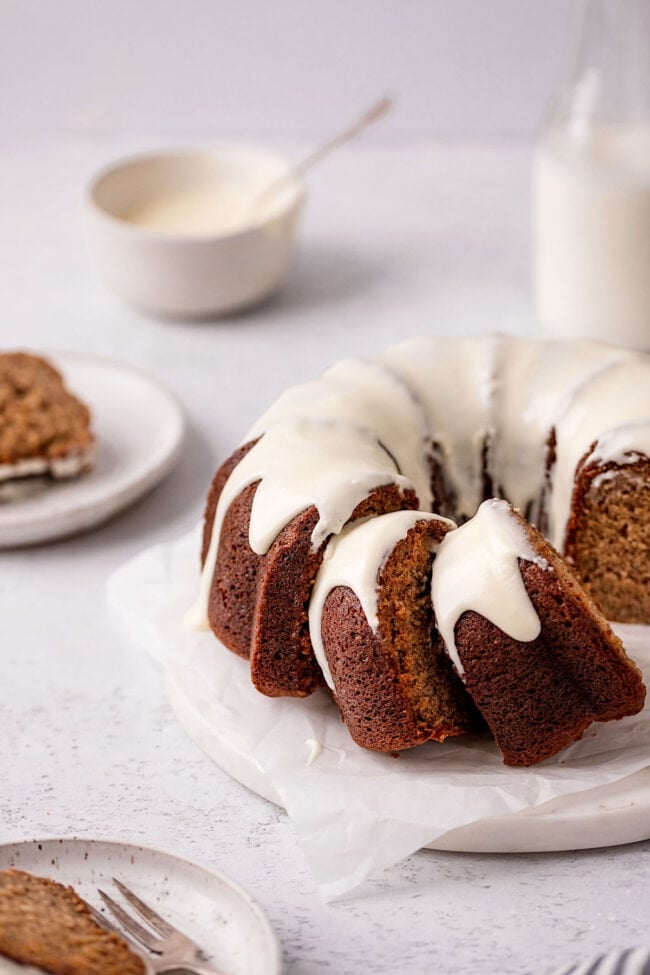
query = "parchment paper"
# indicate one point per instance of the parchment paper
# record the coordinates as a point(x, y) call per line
point(355, 812)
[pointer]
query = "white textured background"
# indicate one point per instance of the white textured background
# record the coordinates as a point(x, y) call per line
point(462, 68)
point(422, 226)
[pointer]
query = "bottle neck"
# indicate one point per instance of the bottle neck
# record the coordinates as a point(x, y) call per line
point(612, 75)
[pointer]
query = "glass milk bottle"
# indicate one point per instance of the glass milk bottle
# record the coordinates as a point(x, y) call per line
point(592, 186)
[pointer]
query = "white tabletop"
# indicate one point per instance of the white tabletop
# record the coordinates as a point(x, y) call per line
point(396, 241)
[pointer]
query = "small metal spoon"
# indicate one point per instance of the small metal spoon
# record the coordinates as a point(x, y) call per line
point(377, 111)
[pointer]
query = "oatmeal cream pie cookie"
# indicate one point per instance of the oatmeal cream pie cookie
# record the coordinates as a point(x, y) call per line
point(44, 429)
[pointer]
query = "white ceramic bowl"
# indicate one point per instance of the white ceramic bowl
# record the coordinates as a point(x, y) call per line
point(180, 264)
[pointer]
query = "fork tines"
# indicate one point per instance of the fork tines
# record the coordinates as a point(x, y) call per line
point(158, 923)
point(130, 925)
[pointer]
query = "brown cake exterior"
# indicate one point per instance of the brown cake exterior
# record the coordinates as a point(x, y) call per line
point(395, 687)
point(539, 697)
point(608, 537)
point(282, 658)
point(258, 604)
point(234, 583)
point(45, 924)
point(39, 417)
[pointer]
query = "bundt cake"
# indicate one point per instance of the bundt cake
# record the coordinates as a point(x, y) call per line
point(373, 632)
point(535, 653)
point(559, 430)
point(44, 429)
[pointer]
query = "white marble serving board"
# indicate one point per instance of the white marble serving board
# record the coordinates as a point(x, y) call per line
point(355, 811)
point(609, 815)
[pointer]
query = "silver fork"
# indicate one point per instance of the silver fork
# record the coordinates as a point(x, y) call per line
point(171, 949)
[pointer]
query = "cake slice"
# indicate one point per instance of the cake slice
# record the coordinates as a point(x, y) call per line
point(272, 508)
point(47, 925)
point(372, 627)
point(534, 651)
point(608, 533)
point(44, 429)
point(597, 496)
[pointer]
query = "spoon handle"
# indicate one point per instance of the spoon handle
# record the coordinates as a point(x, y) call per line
point(371, 115)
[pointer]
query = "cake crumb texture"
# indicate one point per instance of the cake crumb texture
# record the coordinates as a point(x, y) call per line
point(45, 924)
point(396, 687)
point(608, 538)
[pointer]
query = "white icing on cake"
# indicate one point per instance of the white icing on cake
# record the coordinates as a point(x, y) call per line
point(368, 395)
point(487, 404)
point(300, 463)
point(355, 558)
point(315, 748)
point(477, 569)
point(454, 380)
point(616, 398)
point(532, 383)
point(623, 445)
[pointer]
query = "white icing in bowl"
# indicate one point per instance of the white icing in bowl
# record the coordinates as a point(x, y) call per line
point(172, 232)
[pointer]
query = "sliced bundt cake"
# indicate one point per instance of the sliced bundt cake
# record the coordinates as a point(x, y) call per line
point(374, 635)
point(598, 508)
point(608, 536)
point(561, 430)
point(534, 651)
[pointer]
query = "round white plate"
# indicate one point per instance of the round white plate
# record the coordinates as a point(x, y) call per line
point(609, 815)
point(596, 793)
point(223, 919)
point(139, 429)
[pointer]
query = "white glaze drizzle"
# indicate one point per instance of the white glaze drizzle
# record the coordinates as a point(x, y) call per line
point(454, 380)
point(533, 378)
point(477, 568)
point(315, 748)
point(299, 463)
point(355, 558)
point(603, 410)
point(622, 445)
point(508, 391)
point(367, 395)
point(601, 479)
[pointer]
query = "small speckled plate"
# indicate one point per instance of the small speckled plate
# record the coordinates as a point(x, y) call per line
point(223, 919)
